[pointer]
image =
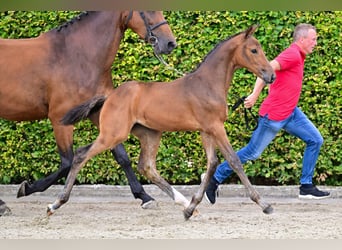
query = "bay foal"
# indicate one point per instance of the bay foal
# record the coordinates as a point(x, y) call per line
point(195, 102)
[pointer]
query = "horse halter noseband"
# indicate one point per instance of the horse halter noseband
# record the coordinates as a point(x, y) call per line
point(150, 37)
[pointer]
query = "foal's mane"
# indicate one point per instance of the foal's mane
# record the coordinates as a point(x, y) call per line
point(216, 47)
point(73, 20)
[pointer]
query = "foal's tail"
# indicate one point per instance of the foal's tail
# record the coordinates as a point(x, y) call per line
point(83, 111)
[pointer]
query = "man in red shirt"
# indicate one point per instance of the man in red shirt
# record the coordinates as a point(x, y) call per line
point(279, 111)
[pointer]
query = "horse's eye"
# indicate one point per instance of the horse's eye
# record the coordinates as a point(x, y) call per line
point(254, 51)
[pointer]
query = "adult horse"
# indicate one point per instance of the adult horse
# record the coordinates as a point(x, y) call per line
point(195, 102)
point(46, 76)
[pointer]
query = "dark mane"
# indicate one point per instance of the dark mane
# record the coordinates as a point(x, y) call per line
point(217, 45)
point(75, 19)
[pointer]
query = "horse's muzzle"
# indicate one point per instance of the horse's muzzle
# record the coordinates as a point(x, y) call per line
point(268, 78)
point(164, 48)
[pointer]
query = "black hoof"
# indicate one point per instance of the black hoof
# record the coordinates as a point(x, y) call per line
point(21, 192)
point(151, 204)
point(187, 214)
point(4, 210)
point(268, 209)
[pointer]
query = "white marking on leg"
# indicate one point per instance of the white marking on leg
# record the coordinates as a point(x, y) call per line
point(180, 199)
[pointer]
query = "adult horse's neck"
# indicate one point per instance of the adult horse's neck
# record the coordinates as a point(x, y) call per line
point(218, 66)
point(94, 36)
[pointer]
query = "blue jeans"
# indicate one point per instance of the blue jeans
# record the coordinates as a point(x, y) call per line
point(296, 124)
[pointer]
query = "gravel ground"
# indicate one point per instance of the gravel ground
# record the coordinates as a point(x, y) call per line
point(110, 212)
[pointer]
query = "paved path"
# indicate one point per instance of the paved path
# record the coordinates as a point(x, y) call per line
point(111, 212)
point(108, 191)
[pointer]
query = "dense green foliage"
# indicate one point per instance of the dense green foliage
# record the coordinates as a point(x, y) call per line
point(28, 150)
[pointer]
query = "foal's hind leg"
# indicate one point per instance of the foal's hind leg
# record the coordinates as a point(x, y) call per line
point(63, 135)
point(137, 190)
point(149, 140)
point(109, 137)
point(121, 157)
point(82, 155)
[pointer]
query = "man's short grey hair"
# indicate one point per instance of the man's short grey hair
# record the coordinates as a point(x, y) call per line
point(301, 30)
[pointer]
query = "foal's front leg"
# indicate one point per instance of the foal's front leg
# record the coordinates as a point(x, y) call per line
point(234, 161)
point(4, 209)
point(212, 161)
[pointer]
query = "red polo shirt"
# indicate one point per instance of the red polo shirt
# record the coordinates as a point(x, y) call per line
point(284, 93)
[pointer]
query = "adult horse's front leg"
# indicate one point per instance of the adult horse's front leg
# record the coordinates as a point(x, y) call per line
point(137, 190)
point(235, 163)
point(63, 135)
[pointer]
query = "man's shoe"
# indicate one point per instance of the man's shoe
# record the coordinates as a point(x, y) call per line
point(211, 192)
point(309, 191)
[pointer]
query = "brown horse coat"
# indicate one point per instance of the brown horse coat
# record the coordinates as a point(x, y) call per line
point(46, 76)
point(195, 102)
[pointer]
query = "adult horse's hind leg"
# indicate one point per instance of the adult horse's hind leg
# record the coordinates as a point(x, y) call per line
point(63, 137)
point(137, 190)
point(149, 140)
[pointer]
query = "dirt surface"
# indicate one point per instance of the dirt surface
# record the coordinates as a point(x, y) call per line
point(121, 217)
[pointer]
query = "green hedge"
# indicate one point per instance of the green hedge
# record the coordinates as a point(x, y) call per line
point(28, 150)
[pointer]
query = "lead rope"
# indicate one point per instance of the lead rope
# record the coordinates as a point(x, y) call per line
point(161, 59)
point(237, 104)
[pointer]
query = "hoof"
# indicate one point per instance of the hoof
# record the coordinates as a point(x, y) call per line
point(151, 204)
point(268, 209)
point(21, 191)
point(4, 210)
point(187, 214)
point(50, 210)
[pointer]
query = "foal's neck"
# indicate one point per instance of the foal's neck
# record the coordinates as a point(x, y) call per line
point(218, 66)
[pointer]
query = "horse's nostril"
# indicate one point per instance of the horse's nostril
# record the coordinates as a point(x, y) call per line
point(171, 45)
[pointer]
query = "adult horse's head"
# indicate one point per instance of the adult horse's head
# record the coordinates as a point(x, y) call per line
point(153, 28)
point(251, 56)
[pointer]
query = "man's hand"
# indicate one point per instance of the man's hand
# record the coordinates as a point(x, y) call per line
point(250, 100)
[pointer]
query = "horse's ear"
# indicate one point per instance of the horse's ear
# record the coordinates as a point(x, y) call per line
point(250, 31)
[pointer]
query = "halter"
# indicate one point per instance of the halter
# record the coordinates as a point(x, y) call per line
point(150, 37)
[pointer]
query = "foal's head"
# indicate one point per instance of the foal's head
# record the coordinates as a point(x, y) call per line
point(153, 28)
point(250, 55)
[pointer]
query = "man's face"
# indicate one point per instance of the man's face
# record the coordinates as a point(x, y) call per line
point(309, 42)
